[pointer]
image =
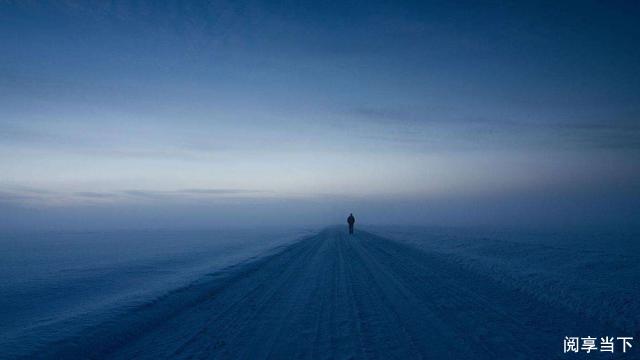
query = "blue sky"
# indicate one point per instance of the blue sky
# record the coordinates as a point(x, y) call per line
point(423, 112)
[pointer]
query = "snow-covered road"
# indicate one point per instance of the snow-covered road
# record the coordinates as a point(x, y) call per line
point(335, 296)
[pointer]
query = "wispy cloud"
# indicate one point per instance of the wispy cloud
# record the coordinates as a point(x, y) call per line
point(219, 191)
point(418, 127)
point(382, 114)
point(34, 197)
point(94, 195)
point(94, 143)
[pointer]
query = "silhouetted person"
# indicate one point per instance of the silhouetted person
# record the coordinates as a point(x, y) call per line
point(351, 220)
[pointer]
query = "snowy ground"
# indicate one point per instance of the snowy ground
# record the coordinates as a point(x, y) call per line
point(335, 296)
point(55, 285)
point(588, 272)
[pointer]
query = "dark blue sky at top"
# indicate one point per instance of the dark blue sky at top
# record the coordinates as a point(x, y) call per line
point(438, 108)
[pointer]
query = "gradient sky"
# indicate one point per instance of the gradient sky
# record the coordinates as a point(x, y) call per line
point(162, 113)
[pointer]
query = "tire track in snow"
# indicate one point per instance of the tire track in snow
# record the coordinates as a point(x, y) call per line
point(334, 296)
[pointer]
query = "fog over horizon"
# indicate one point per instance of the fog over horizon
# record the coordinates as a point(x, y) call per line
point(171, 114)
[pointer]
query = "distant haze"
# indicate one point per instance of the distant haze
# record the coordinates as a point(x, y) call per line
point(194, 114)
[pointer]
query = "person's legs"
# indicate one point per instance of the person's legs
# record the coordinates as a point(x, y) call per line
point(350, 229)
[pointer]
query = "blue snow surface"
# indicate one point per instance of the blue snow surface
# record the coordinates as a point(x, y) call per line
point(594, 272)
point(386, 292)
point(55, 284)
